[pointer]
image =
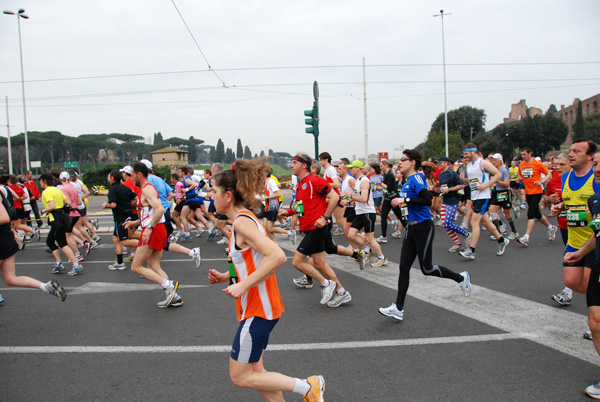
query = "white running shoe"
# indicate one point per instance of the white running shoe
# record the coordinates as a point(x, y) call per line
point(327, 292)
point(465, 285)
point(456, 248)
point(392, 311)
point(381, 239)
point(339, 299)
point(593, 390)
point(552, 232)
point(380, 263)
point(195, 255)
point(292, 236)
point(223, 241)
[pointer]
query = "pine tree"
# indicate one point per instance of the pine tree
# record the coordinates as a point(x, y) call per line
point(579, 125)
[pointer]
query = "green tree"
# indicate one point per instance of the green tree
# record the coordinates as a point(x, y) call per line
point(220, 152)
point(435, 145)
point(240, 150)
point(540, 133)
point(579, 125)
point(466, 120)
point(592, 127)
point(158, 138)
point(229, 156)
point(247, 153)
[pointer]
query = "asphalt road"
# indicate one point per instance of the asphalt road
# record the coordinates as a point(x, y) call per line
point(109, 342)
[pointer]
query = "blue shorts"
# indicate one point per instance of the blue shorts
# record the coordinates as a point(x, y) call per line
point(83, 211)
point(271, 215)
point(481, 206)
point(377, 201)
point(251, 339)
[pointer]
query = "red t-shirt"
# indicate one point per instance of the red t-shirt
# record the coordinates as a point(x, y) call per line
point(312, 192)
point(33, 189)
point(554, 186)
point(138, 191)
point(19, 192)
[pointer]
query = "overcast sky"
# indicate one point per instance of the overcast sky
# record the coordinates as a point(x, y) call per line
point(132, 67)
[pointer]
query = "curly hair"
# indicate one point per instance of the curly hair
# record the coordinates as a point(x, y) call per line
point(245, 180)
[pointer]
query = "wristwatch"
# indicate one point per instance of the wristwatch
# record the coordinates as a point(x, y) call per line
point(407, 200)
point(150, 227)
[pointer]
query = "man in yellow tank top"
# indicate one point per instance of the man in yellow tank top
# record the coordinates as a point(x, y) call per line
point(578, 187)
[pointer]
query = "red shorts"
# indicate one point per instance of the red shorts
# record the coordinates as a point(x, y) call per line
point(158, 237)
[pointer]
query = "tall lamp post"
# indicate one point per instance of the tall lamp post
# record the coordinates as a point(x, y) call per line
point(21, 14)
point(441, 14)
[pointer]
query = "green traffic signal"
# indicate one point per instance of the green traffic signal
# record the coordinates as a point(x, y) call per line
point(313, 121)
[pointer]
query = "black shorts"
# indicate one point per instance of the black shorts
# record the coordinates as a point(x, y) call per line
point(349, 214)
point(533, 206)
point(481, 206)
point(194, 205)
point(179, 207)
point(211, 208)
point(21, 213)
point(505, 204)
point(119, 230)
point(514, 185)
point(221, 217)
point(271, 215)
point(366, 221)
point(592, 297)
point(313, 242)
point(72, 222)
point(588, 261)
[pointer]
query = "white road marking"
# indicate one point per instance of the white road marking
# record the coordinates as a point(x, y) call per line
point(109, 287)
point(272, 347)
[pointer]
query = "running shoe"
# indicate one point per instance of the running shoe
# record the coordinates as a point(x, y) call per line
point(492, 237)
point(502, 246)
point(517, 212)
point(77, 269)
point(339, 299)
point(117, 267)
point(93, 244)
point(180, 233)
point(171, 291)
point(96, 223)
point(86, 248)
point(199, 233)
point(392, 311)
point(465, 285)
point(587, 335)
point(211, 234)
point(467, 253)
point(456, 248)
point(397, 234)
point(523, 206)
point(381, 239)
point(54, 288)
point(28, 239)
point(361, 260)
point(130, 257)
point(79, 258)
point(186, 237)
point(552, 232)
point(394, 225)
point(468, 239)
point(317, 389)
point(327, 292)
point(502, 228)
point(223, 241)
point(524, 241)
point(563, 298)
point(96, 238)
point(1, 299)
point(195, 255)
point(292, 236)
point(513, 236)
point(58, 268)
point(593, 391)
point(368, 255)
point(303, 282)
point(176, 302)
point(38, 234)
point(380, 263)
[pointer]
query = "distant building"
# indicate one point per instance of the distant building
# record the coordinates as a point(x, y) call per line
point(569, 114)
point(518, 111)
point(170, 156)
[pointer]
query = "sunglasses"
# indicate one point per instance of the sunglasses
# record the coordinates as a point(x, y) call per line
point(404, 159)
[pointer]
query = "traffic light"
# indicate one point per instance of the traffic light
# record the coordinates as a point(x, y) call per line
point(313, 122)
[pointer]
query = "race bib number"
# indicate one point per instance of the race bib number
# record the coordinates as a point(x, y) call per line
point(577, 216)
point(299, 209)
point(527, 173)
point(473, 183)
point(595, 224)
point(404, 212)
point(444, 186)
point(502, 196)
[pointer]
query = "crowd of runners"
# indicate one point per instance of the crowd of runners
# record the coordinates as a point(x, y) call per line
point(334, 210)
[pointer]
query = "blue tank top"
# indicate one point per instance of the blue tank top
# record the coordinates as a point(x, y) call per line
point(190, 193)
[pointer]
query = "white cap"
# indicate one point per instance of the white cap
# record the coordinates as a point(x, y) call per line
point(497, 156)
point(126, 169)
point(537, 158)
point(147, 163)
point(64, 176)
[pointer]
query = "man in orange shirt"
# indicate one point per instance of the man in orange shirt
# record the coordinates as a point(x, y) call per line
point(530, 173)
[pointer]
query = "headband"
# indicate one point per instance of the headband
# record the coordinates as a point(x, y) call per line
point(301, 160)
point(470, 150)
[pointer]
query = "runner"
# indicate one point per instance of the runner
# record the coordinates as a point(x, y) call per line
point(255, 260)
point(481, 176)
point(415, 200)
point(578, 187)
point(501, 198)
point(35, 195)
point(365, 218)
point(153, 238)
point(330, 174)
point(530, 171)
point(389, 186)
point(450, 184)
point(7, 260)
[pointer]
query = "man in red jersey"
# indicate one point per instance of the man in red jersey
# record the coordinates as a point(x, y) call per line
point(315, 203)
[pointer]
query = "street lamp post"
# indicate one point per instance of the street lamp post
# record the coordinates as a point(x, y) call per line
point(21, 14)
point(441, 14)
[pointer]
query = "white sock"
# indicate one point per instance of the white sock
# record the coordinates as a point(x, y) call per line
point(302, 387)
point(325, 283)
point(569, 292)
point(44, 288)
point(341, 291)
point(381, 257)
point(165, 284)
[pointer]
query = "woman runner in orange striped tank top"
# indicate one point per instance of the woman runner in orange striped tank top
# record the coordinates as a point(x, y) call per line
point(256, 259)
